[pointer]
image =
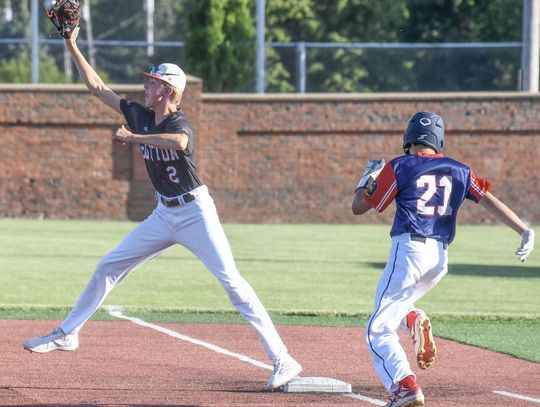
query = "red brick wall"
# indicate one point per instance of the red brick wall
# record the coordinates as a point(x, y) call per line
point(298, 158)
point(265, 158)
point(59, 161)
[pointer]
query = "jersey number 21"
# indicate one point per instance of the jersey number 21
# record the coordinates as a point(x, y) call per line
point(430, 184)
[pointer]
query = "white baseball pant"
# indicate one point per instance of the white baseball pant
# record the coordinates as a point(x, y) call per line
point(413, 268)
point(196, 226)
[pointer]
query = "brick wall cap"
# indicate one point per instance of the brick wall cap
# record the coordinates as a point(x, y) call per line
point(308, 97)
point(70, 88)
point(63, 88)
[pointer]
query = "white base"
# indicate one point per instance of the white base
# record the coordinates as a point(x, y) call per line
point(316, 385)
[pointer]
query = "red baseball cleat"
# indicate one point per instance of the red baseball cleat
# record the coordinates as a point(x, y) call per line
point(422, 335)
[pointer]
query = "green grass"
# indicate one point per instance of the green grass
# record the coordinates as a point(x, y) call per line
point(304, 274)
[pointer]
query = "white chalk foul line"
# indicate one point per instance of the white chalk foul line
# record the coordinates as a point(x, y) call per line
point(365, 398)
point(516, 396)
point(116, 311)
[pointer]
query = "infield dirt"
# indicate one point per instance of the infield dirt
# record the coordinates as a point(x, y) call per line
point(122, 364)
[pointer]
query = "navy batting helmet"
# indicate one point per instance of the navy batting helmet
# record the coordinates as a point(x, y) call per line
point(424, 128)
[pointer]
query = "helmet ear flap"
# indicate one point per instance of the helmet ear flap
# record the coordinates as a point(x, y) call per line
point(407, 148)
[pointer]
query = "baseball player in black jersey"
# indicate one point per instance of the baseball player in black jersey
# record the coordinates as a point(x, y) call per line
point(185, 214)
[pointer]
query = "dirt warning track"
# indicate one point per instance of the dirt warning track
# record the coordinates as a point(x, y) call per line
point(120, 363)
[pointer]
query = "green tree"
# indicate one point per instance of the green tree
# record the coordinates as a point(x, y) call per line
point(18, 69)
point(125, 20)
point(365, 70)
point(15, 62)
point(220, 44)
point(356, 70)
point(18, 27)
point(287, 21)
point(117, 20)
point(330, 69)
point(463, 21)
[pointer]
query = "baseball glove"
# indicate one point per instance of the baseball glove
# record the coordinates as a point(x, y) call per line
point(372, 170)
point(65, 15)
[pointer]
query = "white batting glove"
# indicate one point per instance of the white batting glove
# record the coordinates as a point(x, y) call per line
point(372, 170)
point(527, 245)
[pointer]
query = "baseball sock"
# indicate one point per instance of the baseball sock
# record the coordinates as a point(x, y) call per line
point(411, 316)
point(408, 383)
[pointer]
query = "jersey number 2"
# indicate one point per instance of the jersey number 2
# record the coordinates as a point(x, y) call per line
point(172, 174)
point(430, 183)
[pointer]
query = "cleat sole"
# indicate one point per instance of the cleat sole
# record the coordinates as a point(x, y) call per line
point(425, 355)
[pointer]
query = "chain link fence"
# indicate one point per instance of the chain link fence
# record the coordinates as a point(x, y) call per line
point(119, 51)
point(385, 67)
point(118, 48)
point(323, 67)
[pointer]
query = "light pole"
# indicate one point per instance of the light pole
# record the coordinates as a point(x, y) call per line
point(150, 7)
point(260, 59)
point(35, 41)
point(87, 17)
point(531, 46)
point(8, 12)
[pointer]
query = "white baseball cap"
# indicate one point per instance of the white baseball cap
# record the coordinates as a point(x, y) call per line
point(169, 73)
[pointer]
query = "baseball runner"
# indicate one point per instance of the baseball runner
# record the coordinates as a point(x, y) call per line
point(185, 213)
point(428, 189)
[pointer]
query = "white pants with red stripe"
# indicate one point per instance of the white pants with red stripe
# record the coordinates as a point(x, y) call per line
point(196, 226)
point(413, 268)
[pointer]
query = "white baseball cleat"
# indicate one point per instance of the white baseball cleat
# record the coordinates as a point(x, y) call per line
point(56, 340)
point(285, 369)
point(412, 397)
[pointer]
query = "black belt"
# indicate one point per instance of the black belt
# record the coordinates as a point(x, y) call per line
point(419, 238)
point(180, 200)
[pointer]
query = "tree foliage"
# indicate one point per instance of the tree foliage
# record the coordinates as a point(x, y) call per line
point(286, 21)
point(389, 21)
point(19, 69)
point(15, 62)
point(463, 21)
point(220, 44)
point(126, 20)
point(111, 20)
point(355, 70)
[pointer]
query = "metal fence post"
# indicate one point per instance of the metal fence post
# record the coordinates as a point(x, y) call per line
point(301, 67)
point(87, 16)
point(260, 63)
point(531, 46)
point(35, 41)
point(149, 6)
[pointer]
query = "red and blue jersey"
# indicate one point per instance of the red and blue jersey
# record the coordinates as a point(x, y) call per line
point(429, 190)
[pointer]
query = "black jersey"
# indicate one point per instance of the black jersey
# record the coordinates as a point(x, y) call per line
point(172, 172)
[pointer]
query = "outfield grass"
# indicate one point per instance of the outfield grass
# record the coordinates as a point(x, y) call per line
point(312, 274)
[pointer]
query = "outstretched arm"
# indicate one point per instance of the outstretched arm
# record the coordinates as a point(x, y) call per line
point(92, 80)
point(504, 214)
